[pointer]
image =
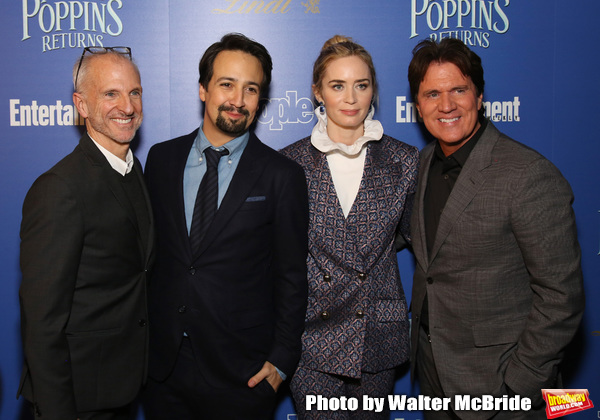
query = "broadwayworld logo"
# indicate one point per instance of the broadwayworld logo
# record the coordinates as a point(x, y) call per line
point(560, 402)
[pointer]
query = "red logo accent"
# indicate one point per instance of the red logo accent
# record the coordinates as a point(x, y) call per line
point(560, 402)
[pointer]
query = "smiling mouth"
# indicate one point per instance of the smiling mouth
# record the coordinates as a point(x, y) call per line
point(234, 115)
point(448, 120)
point(122, 121)
point(234, 112)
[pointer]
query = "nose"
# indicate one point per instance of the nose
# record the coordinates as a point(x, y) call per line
point(446, 103)
point(237, 98)
point(126, 105)
point(350, 97)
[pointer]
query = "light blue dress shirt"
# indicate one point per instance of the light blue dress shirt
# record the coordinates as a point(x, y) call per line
point(195, 168)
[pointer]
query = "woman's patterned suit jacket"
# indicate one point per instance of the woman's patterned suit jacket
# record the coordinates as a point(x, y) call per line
point(357, 314)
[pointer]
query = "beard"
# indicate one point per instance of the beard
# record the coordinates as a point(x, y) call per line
point(233, 128)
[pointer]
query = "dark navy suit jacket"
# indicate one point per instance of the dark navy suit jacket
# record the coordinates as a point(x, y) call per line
point(242, 297)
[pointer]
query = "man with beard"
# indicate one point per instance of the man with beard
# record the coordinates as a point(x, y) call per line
point(86, 246)
point(228, 293)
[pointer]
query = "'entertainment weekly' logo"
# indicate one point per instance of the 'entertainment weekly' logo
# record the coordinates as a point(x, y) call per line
point(71, 24)
point(471, 21)
point(496, 111)
point(34, 114)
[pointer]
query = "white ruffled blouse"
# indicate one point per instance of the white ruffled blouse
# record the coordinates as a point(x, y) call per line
point(346, 162)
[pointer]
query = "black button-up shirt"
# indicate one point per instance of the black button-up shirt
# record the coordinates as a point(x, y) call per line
point(443, 173)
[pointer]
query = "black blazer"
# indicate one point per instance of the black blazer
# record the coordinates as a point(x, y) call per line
point(83, 292)
point(242, 297)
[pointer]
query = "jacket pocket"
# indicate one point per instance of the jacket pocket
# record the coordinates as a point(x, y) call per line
point(497, 333)
point(94, 333)
point(254, 204)
point(248, 319)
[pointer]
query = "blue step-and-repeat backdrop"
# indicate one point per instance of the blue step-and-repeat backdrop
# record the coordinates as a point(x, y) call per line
point(542, 88)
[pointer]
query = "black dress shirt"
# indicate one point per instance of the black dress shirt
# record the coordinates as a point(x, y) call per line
point(443, 173)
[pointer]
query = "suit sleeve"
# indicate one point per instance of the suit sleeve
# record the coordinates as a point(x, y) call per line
point(290, 272)
point(51, 243)
point(411, 171)
point(544, 225)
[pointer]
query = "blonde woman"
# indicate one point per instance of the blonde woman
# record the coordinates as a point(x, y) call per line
point(359, 179)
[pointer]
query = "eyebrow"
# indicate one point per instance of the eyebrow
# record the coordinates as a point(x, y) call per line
point(233, 79)
point(427, 92)
point(465, 87)
point(225, 78)
point(345, 81)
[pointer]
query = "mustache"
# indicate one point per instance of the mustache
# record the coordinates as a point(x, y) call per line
point(226, 108)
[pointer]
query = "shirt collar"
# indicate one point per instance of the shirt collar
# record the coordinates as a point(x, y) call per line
point(462, 154)
point(121, 166)
point(235, 146)
point(373, 131)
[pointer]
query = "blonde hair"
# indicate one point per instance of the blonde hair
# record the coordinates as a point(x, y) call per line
point(339, 46)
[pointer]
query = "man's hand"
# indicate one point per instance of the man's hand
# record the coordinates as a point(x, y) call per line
point(269, 373)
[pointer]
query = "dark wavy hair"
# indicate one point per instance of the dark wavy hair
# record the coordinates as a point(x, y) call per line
point(236, 42)
point(448, 50)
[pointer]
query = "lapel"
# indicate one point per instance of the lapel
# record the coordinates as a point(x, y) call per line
point(361, 239)
point(420, 240)
point(104, 173)
point(137, 168)
point(361, 195)
point(326, 216)
point(176, 168)
point(325, 188)
point(368, 237)
point(468, 184)
point(251, 166)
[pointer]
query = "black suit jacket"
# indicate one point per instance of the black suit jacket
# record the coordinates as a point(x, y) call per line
point(242, 297)
point(83, 293)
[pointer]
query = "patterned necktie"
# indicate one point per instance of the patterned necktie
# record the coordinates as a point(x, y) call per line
point(205, 206)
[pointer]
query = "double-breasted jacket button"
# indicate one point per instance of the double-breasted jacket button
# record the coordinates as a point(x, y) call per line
point(142, 322)
point(324, 315)
point(192, 270)
point(360, 313)
point(362, 276)
point(326, 277)
point(182, 309)
point(429, 280)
